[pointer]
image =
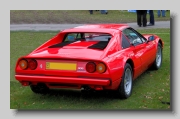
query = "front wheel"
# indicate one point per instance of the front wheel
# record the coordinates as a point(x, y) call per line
point(125, 88)
point(158, 61)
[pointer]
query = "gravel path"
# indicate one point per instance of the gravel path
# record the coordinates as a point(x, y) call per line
point(56, 27)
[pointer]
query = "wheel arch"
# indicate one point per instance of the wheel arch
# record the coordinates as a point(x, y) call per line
point(161, 42)
point(130, 61)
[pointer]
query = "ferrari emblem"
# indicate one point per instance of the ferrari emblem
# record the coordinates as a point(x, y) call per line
point(41, 66)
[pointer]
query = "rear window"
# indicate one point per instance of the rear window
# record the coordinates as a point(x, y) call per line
point(87, 37)
point(99, 40)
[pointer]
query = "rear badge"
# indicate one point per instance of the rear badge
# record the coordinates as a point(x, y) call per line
point(80, 69)
point(41, 66)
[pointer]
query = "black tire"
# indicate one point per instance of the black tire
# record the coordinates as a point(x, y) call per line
point(39, 88)
point(158, 61)
point(125, 88)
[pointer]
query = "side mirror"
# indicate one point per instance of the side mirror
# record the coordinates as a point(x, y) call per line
point(151, 38)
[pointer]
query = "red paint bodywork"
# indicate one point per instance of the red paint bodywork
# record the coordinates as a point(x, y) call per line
point(113, 56)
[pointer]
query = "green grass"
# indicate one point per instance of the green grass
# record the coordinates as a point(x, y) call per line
point(149, 89)
point(76, 16)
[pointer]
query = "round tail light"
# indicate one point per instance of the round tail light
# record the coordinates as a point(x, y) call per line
point(90, 67)
point(23, 64)
point(32, 64)
point(101, 68)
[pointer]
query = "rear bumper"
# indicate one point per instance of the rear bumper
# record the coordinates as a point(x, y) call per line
point(63, 80)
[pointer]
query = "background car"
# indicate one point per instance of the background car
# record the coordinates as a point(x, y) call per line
point(91, 57)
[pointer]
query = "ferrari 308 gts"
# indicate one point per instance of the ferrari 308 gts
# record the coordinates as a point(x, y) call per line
point(91, 57)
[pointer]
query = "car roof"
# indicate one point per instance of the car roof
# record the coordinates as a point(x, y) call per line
point(106, 28)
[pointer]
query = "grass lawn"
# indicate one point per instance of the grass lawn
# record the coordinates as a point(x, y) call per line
point(76, 16)
point(149, 89)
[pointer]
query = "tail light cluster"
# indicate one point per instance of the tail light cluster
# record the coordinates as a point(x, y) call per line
point(92, 67)
point(25, 64)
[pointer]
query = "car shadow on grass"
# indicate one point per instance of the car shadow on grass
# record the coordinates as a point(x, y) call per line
point(70, 93)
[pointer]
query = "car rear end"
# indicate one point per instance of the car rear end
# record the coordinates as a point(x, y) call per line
point(61, 73)
point(70, 63)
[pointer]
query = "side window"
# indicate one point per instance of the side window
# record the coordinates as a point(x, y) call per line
point(133, 37)
point(125, 43)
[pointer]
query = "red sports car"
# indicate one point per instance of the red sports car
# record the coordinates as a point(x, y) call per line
point(94, 56)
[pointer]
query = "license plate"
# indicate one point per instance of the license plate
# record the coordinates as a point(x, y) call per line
point(61, 66)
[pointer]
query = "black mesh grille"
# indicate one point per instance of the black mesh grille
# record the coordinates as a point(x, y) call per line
point(61, 44)
point(100, 45)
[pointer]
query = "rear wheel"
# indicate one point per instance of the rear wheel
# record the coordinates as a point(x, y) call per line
point(125, 88)
point(158, 61)
point(39, 88)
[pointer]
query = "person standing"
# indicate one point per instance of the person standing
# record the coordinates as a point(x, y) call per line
point(151, 18)
point(141, 17)
point(163, 13)
point(91, 11)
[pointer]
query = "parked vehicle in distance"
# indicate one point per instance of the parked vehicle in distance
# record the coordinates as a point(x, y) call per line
point(94, 56)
